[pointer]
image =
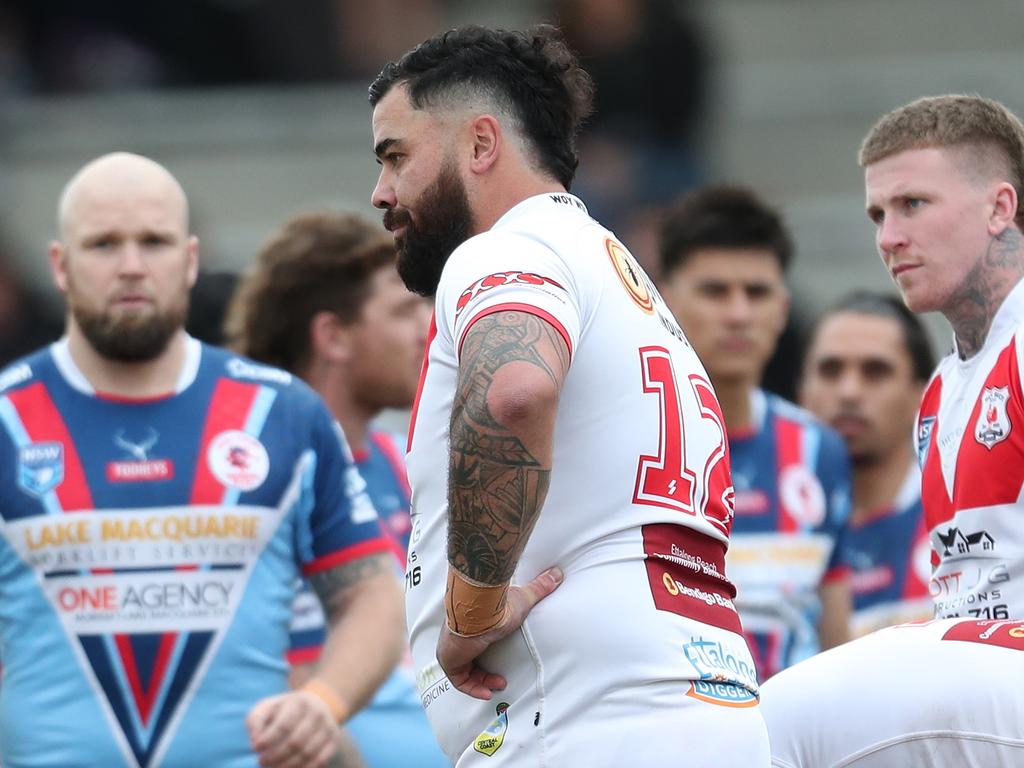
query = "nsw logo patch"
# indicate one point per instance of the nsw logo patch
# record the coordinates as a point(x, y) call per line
point(40, 467)
point(924, 438)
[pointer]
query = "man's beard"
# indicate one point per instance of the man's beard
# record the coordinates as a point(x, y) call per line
point(443, 224)
point(129, 339)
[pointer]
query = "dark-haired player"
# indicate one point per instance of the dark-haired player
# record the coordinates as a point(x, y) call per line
point(557, 397)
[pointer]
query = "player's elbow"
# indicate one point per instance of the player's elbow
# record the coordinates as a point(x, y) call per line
point(522, 402)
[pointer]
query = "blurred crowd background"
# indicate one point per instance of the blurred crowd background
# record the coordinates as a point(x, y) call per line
point(259, 108)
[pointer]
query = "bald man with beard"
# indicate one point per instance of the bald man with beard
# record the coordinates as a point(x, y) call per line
point(148, 626)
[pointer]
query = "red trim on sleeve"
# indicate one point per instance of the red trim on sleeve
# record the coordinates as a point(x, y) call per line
point(296, 656)
point(431, 334)
point(838, 573)
point(348, 554)
point(518, 307)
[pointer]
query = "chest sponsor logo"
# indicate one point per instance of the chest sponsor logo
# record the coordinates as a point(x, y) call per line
point(40, 467)
point(924, 438)
point(141, 467)
point(238, 460)
point(993, 425)
point(145, 593)
point(956, 542)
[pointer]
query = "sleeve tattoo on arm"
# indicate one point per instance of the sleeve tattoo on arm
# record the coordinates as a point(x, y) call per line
point(333, 585)
point(495, 485)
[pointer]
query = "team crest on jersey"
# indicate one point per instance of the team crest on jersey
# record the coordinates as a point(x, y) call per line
point(493, 736)
point(40, 467)
point(238, 460)
point(802, 495)
point(993, 425)
point(631, 275)
point(924, 438)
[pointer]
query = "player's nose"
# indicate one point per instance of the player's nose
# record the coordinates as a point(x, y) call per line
point(383, 192)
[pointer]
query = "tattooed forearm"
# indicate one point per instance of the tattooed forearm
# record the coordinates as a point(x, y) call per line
point(332, 586)
point(496, 484)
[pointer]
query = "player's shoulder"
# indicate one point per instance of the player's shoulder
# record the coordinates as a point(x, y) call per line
point(35, 366)
point(235, 367)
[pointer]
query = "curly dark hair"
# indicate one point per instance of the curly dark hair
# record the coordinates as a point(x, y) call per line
point(532, 76)
point(721, 217)
point(317, 262)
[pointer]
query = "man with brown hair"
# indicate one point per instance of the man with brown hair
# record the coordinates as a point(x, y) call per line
point(325, 302)
point(945, 190)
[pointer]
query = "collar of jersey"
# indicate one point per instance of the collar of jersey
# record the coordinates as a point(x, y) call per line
point(76, 379)
point(538, 203)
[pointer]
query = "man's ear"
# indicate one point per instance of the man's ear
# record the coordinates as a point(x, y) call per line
point(329, 338)
point(487, 142)
point(192, 251)
point(1004, 208)
point(58, 265)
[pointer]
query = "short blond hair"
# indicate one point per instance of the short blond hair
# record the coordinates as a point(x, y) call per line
point(983, 127)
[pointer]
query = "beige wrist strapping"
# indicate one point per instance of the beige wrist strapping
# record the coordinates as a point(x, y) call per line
point(473, 608)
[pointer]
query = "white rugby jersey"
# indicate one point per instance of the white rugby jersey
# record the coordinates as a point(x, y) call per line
point(936, 694)
point(640, 502)
point(970, 437)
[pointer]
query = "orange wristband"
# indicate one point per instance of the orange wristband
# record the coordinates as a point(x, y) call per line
point(322, 691)
point(473, 608)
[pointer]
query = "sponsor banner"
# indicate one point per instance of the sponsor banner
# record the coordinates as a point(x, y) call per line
point(144, 538)
point(140, 471)
point(721, 660)
point(795, 559)
point(722, 694)
point(1008, 634)
point(148, 602)
point(686, 571)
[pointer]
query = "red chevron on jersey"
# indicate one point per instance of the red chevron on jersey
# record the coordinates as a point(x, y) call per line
point(989, 463)
point(44, 425)
point(229, 408)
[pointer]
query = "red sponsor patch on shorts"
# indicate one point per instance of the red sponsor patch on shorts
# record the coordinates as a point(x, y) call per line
point(686, 571)
point(1008, 634)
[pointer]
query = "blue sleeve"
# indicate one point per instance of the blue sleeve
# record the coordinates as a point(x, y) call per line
point(340, 524)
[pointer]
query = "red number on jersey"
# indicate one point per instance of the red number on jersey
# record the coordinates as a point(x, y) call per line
point(665, 479)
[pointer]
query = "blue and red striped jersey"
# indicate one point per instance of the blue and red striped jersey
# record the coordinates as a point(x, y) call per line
point(149, 552)
point(792, 479)
point(890, 562)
